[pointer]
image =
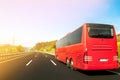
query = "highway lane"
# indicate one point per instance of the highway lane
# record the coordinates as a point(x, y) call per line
point(42, 66)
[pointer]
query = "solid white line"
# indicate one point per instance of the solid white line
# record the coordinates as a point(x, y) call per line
point(114, 72)
point(28, 63)
point(53, 62)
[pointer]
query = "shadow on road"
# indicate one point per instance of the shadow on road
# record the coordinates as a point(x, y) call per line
point(96, 73)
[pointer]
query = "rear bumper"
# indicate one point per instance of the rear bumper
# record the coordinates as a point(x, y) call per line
point(101, 67)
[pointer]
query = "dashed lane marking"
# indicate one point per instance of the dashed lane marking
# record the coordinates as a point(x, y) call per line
point(29, 63)
point(53, 62)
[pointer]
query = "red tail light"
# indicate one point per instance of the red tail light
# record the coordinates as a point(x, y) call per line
point(86, 57)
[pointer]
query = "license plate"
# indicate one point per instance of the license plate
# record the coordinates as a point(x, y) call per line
point(103, 60)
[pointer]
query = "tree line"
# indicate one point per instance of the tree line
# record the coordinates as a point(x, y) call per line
point(45, 46)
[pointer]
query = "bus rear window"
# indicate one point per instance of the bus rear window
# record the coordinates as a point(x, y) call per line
point(100, 31)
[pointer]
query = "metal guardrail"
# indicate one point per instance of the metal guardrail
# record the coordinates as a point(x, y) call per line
point(7, 56)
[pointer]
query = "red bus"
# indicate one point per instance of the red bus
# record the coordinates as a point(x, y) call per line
point(90, 47)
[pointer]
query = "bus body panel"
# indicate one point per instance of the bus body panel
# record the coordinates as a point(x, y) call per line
point(100, 52)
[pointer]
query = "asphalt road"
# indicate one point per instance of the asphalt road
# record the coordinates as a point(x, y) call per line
point(42, 66)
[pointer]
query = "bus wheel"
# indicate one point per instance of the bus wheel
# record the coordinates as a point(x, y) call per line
point(67, 62)
point(71, 65)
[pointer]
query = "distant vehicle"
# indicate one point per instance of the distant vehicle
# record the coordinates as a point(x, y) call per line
point(90, 47)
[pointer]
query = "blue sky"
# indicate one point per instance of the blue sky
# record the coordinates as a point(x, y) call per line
point(30, 21)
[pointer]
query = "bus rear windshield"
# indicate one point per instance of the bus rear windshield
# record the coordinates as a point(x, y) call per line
point(100, 31)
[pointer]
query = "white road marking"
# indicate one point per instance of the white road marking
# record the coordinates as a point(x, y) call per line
point(28, 63)
point(53, 62)
point(114, 72)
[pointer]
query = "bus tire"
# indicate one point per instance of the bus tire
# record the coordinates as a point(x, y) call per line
point(67, 62)
point(72, 65)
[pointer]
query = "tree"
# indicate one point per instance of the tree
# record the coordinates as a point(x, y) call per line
point(20, 48)
point(45, 46)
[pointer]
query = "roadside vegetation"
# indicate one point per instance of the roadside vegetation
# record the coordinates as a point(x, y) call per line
point(6, 48)
point(118, 49)
point(45, 47)
point(118, 43)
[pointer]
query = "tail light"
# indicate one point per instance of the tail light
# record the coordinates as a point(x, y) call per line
point(86, 57)
point(115, 58)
